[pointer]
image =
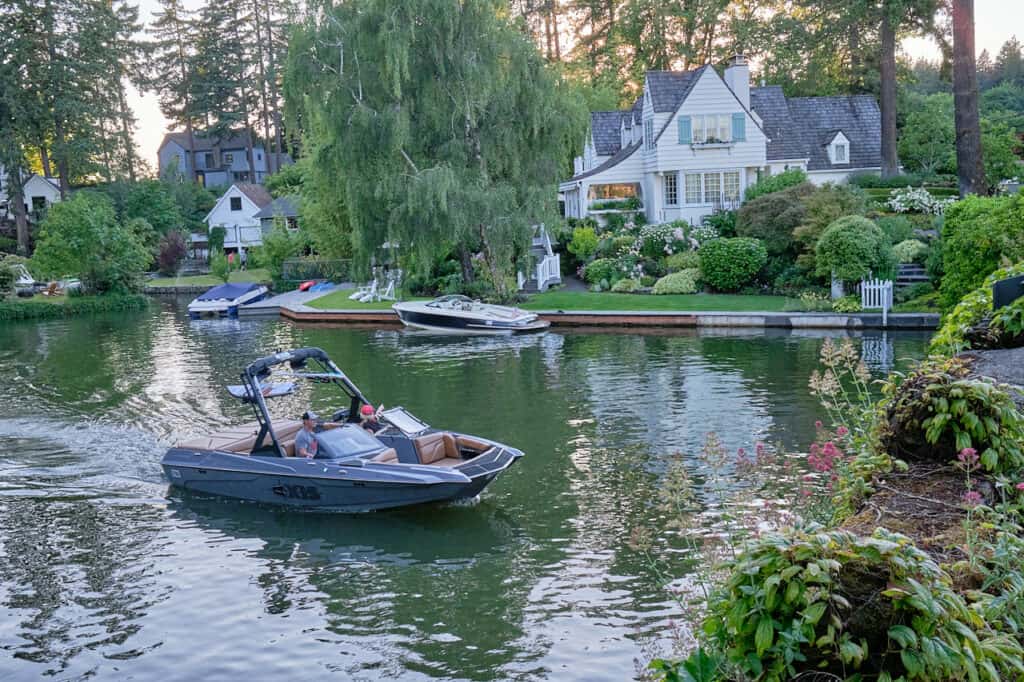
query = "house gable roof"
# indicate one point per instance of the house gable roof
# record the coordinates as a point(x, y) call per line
point(605, 129)
point(619, 157)
point(256, 194)
point(668, 89)
point(235, 139)
point(285, 207)
point(785, 139)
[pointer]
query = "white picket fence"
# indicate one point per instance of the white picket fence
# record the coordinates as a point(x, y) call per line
point(877, 293)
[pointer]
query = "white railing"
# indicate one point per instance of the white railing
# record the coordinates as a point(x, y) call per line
point(548, 269)
point(876, 293)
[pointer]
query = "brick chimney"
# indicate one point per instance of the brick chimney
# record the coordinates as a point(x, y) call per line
point(737, 77)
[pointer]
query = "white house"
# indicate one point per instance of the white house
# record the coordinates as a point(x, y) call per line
point(694, 141)
point(236, 211)
point(38, 192)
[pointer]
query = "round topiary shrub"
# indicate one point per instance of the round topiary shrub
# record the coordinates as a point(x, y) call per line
point(910, 251)
point(853, 248)
point(682, 282)
point(728, 264)
point(626, 286)
point(602, 269)
point(835, 604)
point(685, 260)
point(939, 409)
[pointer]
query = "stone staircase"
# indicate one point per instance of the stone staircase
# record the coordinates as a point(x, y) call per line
point(910, 274)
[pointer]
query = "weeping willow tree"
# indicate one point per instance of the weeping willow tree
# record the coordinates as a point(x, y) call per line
point(439, 124)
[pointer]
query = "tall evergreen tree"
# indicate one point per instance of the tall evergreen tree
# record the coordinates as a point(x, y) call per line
point(970, 168)
point(171, 75)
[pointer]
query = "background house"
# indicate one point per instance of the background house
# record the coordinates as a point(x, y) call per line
point(694, 141)
point(39, 193)
point(285, 208)
point(236, 212)
point(220, 160)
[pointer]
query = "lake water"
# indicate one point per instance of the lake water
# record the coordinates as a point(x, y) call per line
point(106, 574)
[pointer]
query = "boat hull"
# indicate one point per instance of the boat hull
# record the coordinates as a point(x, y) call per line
point(442, 323)
point(327, 486)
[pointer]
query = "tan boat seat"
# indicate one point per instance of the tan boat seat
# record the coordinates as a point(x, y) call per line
point(434, 447)
point(389, 456)
point(241, 439)
point(470, 443)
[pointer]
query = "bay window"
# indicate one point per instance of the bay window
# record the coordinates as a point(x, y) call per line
point(712, 187)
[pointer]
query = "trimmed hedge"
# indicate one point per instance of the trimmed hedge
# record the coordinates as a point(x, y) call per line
point(85, 305)
point(728, 264)
point(774, 183)
point(682, 282)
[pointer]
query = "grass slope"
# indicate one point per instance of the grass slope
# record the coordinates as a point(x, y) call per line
point(339, 300)
point(252, 275)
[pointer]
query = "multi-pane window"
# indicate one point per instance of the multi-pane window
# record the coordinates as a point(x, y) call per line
point(712, 187)
point(649, 134)
point(731, 185)
point(712, 128)
point(840, 153)
point(236, 203)
point(693, 191)
point(671, 189)
point(229, 159)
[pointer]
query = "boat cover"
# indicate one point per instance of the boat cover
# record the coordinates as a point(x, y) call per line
point(272, 390)
point(228, 291)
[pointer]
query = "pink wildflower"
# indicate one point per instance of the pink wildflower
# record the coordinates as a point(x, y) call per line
point(741, 452)
point(829, 449)
point(968, 457)
point(1020, 486)
point(972, 498)
point(842, 431)
point(817, 424)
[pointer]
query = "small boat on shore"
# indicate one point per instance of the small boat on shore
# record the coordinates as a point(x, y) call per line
point(463, 315)
point(225, 299)
point(403, 462)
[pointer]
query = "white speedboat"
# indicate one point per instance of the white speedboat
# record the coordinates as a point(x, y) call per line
point(225, 299)
point(463, 315)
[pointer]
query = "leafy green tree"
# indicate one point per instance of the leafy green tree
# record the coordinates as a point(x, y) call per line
point(81, 237)
point(446, 125)
point(219, 266)
point(280, 245)
point(170, 74)
point(853, 248)
point(1000, 147)
point(1009, 65)
point(927, 143)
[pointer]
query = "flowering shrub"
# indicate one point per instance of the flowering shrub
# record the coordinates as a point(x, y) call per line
point(917, 200)
point(833, 602)
point(658, 241)
point(685, 260)
point(682, 282)
point(601, 270)
point(847, 304)
point(704, 233)
point(910, 251)
point(626, 286)
point(728, 264)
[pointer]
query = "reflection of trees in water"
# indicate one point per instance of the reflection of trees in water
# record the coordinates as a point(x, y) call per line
point(76, 575)
point(406, 589)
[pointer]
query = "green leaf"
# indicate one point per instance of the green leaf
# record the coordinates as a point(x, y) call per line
point(903, 636)
point(814, 612)
point(912, 662)
point(764, 636)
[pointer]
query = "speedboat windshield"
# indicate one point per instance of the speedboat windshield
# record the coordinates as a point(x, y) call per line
point(404, 421)
point(346, 441)
point(451, 301)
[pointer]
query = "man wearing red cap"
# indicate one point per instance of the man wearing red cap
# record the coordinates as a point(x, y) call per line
point(368, 419)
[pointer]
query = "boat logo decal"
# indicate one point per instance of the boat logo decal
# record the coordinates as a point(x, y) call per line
point(297, 492)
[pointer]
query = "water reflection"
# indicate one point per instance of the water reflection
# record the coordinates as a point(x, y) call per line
point(103, 573)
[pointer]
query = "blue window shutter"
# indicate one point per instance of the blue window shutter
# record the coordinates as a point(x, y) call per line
point(739, 127)
point(685, 130)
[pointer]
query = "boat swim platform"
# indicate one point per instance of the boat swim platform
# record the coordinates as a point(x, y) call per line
point(655, 319)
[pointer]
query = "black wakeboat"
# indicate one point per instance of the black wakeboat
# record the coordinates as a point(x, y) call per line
point(463, 315)
point(406, 462)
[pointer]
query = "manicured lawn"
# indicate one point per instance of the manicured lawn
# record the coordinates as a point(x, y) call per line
point(253, 275)
point(585, 300)
point(339, 300)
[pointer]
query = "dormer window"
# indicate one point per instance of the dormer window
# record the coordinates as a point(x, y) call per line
point(839, 149)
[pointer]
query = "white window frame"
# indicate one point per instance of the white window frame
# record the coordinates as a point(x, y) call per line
point(697, 189)
point(670, 189)
point(700, 190)
point(840, 152)
point(718, 126)
point(649, 134)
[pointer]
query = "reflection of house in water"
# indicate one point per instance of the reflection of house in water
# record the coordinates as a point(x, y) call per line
point(878, 353)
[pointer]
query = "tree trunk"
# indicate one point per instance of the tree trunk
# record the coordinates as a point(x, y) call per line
point(20, 219)
point(44, 159)
point(887, 71)
point(261, 59)
point(183, 63)
point(63, 167)
point(547, 36)
point(466, 260)
point(970, 168)
point(553, 11)
point(273, 87)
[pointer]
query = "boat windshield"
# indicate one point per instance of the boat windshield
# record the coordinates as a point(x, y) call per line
point(452, 301)
point(346, 441)
point(404, 421)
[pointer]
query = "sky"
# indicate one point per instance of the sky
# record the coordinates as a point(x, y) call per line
point(995, 22)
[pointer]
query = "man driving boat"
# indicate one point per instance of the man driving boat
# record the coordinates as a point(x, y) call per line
point(305, 441)
point(368, 419)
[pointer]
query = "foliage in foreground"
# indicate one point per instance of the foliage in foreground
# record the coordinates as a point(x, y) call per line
point(957, 332)
point(775, 183)
point(84, 305)
point(830, 601)
point(82, 238)
point(728, 264)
